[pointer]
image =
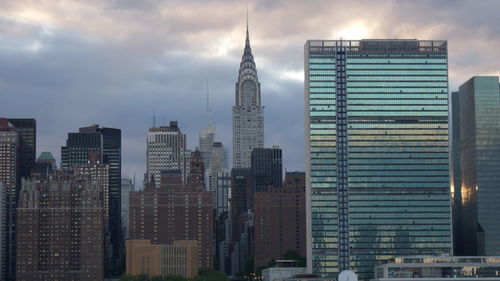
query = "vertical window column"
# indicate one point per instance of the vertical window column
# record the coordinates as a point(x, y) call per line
point(342, 189)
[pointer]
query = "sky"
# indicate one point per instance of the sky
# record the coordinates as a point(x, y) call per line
point(70, 64)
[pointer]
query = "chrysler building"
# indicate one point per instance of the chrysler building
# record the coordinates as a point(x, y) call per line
point(248, 112)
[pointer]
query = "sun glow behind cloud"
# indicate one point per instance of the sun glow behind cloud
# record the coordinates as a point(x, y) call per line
point(354, 31)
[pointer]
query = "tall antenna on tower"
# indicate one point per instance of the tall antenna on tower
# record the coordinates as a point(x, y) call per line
point(209, 111)
point(154, 118)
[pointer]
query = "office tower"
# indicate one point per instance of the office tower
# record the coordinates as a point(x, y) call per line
point(240, 213)
point(174, 211)
point(127, 186)
point(60, 234)
point(455, 173)
point(222, 219)
point(180, 258)
point(217, 165)
point(245, 241)
point(206, 141)
point(248, 113)
point(26, 128)
point(44, 167)
point(207, 136)
point(10, 158)
point(280, 220)
point(223, 192)
point(4, 208)
point(47, 157)
point(107, 141)
point(376, 152)
point(267, 168)
point(479, 167)
point(217, 157)
point(165, 150)
point(241, 190)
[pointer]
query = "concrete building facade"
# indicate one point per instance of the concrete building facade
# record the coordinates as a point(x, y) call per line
point(166, 150)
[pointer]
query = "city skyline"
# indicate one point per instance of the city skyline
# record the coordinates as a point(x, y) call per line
point(124, 73)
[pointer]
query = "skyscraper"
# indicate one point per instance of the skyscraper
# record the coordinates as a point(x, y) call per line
point(60, 234)
point(455, 173)
point(48, 158)
point(10, 177)
point(248, 113)
point(165, 150)
point(267, 168)
point(207, 137)
point(477, 146)
point(26, 128)
point(376, 152)
point(107, 141)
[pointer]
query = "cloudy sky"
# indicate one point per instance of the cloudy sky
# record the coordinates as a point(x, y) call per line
point(112, 62)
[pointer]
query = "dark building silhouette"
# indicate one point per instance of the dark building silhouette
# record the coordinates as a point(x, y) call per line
point(107, 141)
point(45, 165)
point(241, 191)
point(267, 168)
point(280, 220)
point(60, 234)
point(26, 128)
point(174, 211)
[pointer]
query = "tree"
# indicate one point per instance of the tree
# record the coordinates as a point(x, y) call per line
point(142, 277)
point(128, 277)
point(292, 255)
point(175, 278)
point(206, 274)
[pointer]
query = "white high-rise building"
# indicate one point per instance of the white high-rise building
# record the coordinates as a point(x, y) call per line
point(166, 150)
point(248, 113)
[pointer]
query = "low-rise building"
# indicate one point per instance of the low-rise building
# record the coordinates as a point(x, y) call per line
point(439, 269)
point(282, 270)
point(179, 258)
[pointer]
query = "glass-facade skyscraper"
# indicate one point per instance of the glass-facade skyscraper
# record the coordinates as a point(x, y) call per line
point(476, 149)
point(376, 152)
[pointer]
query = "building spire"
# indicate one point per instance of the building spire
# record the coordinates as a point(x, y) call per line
point(248, 50)
point(209, 111)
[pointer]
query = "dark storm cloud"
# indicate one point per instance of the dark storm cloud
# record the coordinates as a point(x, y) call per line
point(74, 63)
